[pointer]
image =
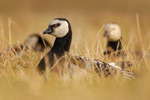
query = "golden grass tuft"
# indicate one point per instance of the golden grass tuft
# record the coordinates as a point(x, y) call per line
point(19, 79)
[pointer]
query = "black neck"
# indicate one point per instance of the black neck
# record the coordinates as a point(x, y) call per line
point(62, 45)
point(115, 45)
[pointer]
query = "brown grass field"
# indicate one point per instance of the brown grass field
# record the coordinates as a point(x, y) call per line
point(18, 77)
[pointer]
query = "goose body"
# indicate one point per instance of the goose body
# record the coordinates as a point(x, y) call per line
point(102, 68)
point(59, 54)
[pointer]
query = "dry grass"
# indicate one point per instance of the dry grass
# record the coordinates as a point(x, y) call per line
point(18, 76)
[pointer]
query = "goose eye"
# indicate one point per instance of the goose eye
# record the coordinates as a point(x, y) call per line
point(58, 24)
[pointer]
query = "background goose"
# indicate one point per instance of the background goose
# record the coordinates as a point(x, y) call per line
point(37, 43)
point(114, 42)
point(114, 46)
point(58, 55)
point(33, 42)
point(113, 34)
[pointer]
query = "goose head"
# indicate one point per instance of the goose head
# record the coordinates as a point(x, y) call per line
point(112, 32)
point(58, 27)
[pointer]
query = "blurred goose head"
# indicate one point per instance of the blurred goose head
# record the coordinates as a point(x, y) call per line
point(37, 43)
point(112, 32)
point(33, 42)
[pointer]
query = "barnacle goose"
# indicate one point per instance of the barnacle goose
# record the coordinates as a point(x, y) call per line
point(113, 34)
point(114, 42)
point(61, 29)
point(114, 46)
point(59, 53)
point(33, 42)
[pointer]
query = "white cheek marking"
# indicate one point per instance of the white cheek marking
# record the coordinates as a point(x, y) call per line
point(61, 30)
point(114, 32)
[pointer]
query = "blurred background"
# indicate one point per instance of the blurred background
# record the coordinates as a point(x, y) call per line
point(85, 16)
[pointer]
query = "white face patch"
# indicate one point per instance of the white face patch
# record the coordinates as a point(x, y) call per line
point(59, 31)
point(113, 32)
